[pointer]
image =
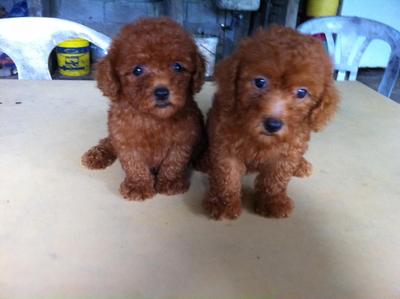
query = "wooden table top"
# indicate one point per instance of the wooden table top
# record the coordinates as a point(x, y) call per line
point(66, 232)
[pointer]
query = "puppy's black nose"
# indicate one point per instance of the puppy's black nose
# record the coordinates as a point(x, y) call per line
point(161, 93)
point(273, 125)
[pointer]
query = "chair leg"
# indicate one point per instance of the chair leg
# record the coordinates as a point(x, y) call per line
point(390, 77)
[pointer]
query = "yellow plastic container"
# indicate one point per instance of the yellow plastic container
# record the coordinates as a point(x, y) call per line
point(320, 8)
point(73, 57)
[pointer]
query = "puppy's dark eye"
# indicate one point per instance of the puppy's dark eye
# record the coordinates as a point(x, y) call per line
point(138, 70)
point(301, 93)
point(178, 67)
point(260, 82)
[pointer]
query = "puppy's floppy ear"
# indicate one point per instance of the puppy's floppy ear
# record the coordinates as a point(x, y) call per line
point(107, 79)
point(198, 76)
point(226, 77)
point(325, 108)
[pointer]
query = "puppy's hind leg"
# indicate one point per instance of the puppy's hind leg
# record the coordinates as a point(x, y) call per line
point(304, 169)
point(99, 156)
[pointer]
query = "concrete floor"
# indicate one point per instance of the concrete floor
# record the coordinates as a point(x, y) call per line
point(372, 77)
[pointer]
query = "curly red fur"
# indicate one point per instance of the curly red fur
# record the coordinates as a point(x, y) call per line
point(154, 143)
point(239, 141)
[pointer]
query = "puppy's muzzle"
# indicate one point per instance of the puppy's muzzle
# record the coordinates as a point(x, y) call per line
point(272, 125)
point(161, 96)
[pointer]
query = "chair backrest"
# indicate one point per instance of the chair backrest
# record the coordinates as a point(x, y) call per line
point(28, 41)
point(347, 39)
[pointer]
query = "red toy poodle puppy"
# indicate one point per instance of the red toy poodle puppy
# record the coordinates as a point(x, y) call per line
point(150, 74)
point(274, 90)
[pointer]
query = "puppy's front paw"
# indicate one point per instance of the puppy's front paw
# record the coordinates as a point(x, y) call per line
point(138, 192)
point(278, 206)
point(97, 157)
point(219, 208)
point(304, 169)
point(167, 187)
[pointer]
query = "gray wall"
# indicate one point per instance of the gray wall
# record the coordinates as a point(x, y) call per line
point(201, 17)
point(106, 16)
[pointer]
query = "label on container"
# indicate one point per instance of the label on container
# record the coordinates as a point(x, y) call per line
point(73, 61)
